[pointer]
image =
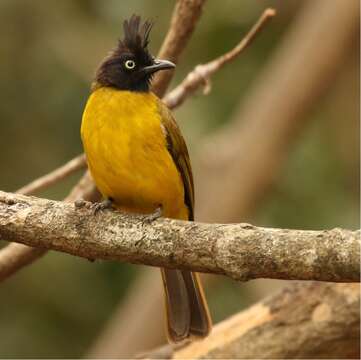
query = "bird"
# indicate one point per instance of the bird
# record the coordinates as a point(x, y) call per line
point(139, 161)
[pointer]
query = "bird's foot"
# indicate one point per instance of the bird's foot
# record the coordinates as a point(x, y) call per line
point(149, 218)
point(104, 205)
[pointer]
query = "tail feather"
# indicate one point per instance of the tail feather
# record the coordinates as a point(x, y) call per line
point(177, 305)
point(186, 307)
point(201, 322)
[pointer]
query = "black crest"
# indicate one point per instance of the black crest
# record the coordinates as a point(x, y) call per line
point(136, 36)
point(134, 46)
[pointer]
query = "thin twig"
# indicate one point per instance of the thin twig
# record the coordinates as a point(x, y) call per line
point(55, 176)
point(240, 251)
point(201, 74)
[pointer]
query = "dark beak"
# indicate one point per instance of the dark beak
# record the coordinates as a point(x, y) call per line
point(158, 65)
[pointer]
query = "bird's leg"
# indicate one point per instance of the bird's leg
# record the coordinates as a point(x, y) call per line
point(149, 218)
point(104, 205)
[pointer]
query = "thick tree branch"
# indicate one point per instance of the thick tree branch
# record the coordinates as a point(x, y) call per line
point(15, 256)
point(240, 251)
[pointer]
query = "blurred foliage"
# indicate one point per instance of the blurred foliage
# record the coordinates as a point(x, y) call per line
point(48, 52)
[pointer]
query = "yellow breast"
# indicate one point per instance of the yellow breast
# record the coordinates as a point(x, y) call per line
point(127, 152)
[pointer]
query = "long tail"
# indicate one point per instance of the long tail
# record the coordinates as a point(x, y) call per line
point(187, 311)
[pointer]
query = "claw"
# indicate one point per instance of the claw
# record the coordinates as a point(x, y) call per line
point(104, 205)
point(149, 218)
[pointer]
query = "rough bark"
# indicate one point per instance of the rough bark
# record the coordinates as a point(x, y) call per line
point(240, 251)
point(303, 321)
point(16, 256)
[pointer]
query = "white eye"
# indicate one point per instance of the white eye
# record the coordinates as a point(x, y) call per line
point(129, 64)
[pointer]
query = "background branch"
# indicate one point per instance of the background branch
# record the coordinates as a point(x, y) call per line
point(303, 321)
point(240, 251)
point(55, 176)
point(200, 76)
point(184, 20)
point(268, 124)
point(15, 256)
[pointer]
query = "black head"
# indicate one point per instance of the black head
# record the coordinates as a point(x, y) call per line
point(130, 66)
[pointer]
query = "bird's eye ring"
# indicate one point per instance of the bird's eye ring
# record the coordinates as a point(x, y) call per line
point(129, 64)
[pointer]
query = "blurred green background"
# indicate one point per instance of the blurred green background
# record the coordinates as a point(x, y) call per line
point(48, 53)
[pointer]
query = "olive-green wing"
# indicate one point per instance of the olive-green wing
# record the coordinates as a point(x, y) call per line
point(179, 152)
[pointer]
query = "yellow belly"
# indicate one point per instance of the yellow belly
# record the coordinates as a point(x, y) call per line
point(127, 153)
